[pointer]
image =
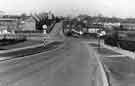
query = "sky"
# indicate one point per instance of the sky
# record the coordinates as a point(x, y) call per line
point(111, 8)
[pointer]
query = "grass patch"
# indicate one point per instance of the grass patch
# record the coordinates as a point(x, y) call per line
point(31, 51)
point(120, 67)
point(20, 45)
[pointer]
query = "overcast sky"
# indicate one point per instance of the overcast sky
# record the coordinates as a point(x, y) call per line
point(119, 8)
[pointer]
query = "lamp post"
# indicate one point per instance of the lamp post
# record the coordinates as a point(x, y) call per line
point(44, 32)
point(44, 29)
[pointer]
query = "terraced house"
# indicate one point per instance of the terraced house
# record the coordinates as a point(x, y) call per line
point(8, 24)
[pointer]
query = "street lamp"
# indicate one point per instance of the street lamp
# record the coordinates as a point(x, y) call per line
point(44, 32)
point(44, 29)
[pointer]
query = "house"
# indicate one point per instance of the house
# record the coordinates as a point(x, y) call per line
point(28, 24)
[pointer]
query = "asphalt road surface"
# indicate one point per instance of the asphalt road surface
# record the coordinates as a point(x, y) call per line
point(69, 65)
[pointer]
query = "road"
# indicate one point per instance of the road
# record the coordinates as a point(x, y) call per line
point(69, 65)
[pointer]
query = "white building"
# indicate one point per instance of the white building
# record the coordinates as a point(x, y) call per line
point(28, 24)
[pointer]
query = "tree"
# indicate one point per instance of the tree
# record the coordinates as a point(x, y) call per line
point(23, 16)
point(42, 19)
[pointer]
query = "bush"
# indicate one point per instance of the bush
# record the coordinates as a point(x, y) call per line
point(110, 41)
